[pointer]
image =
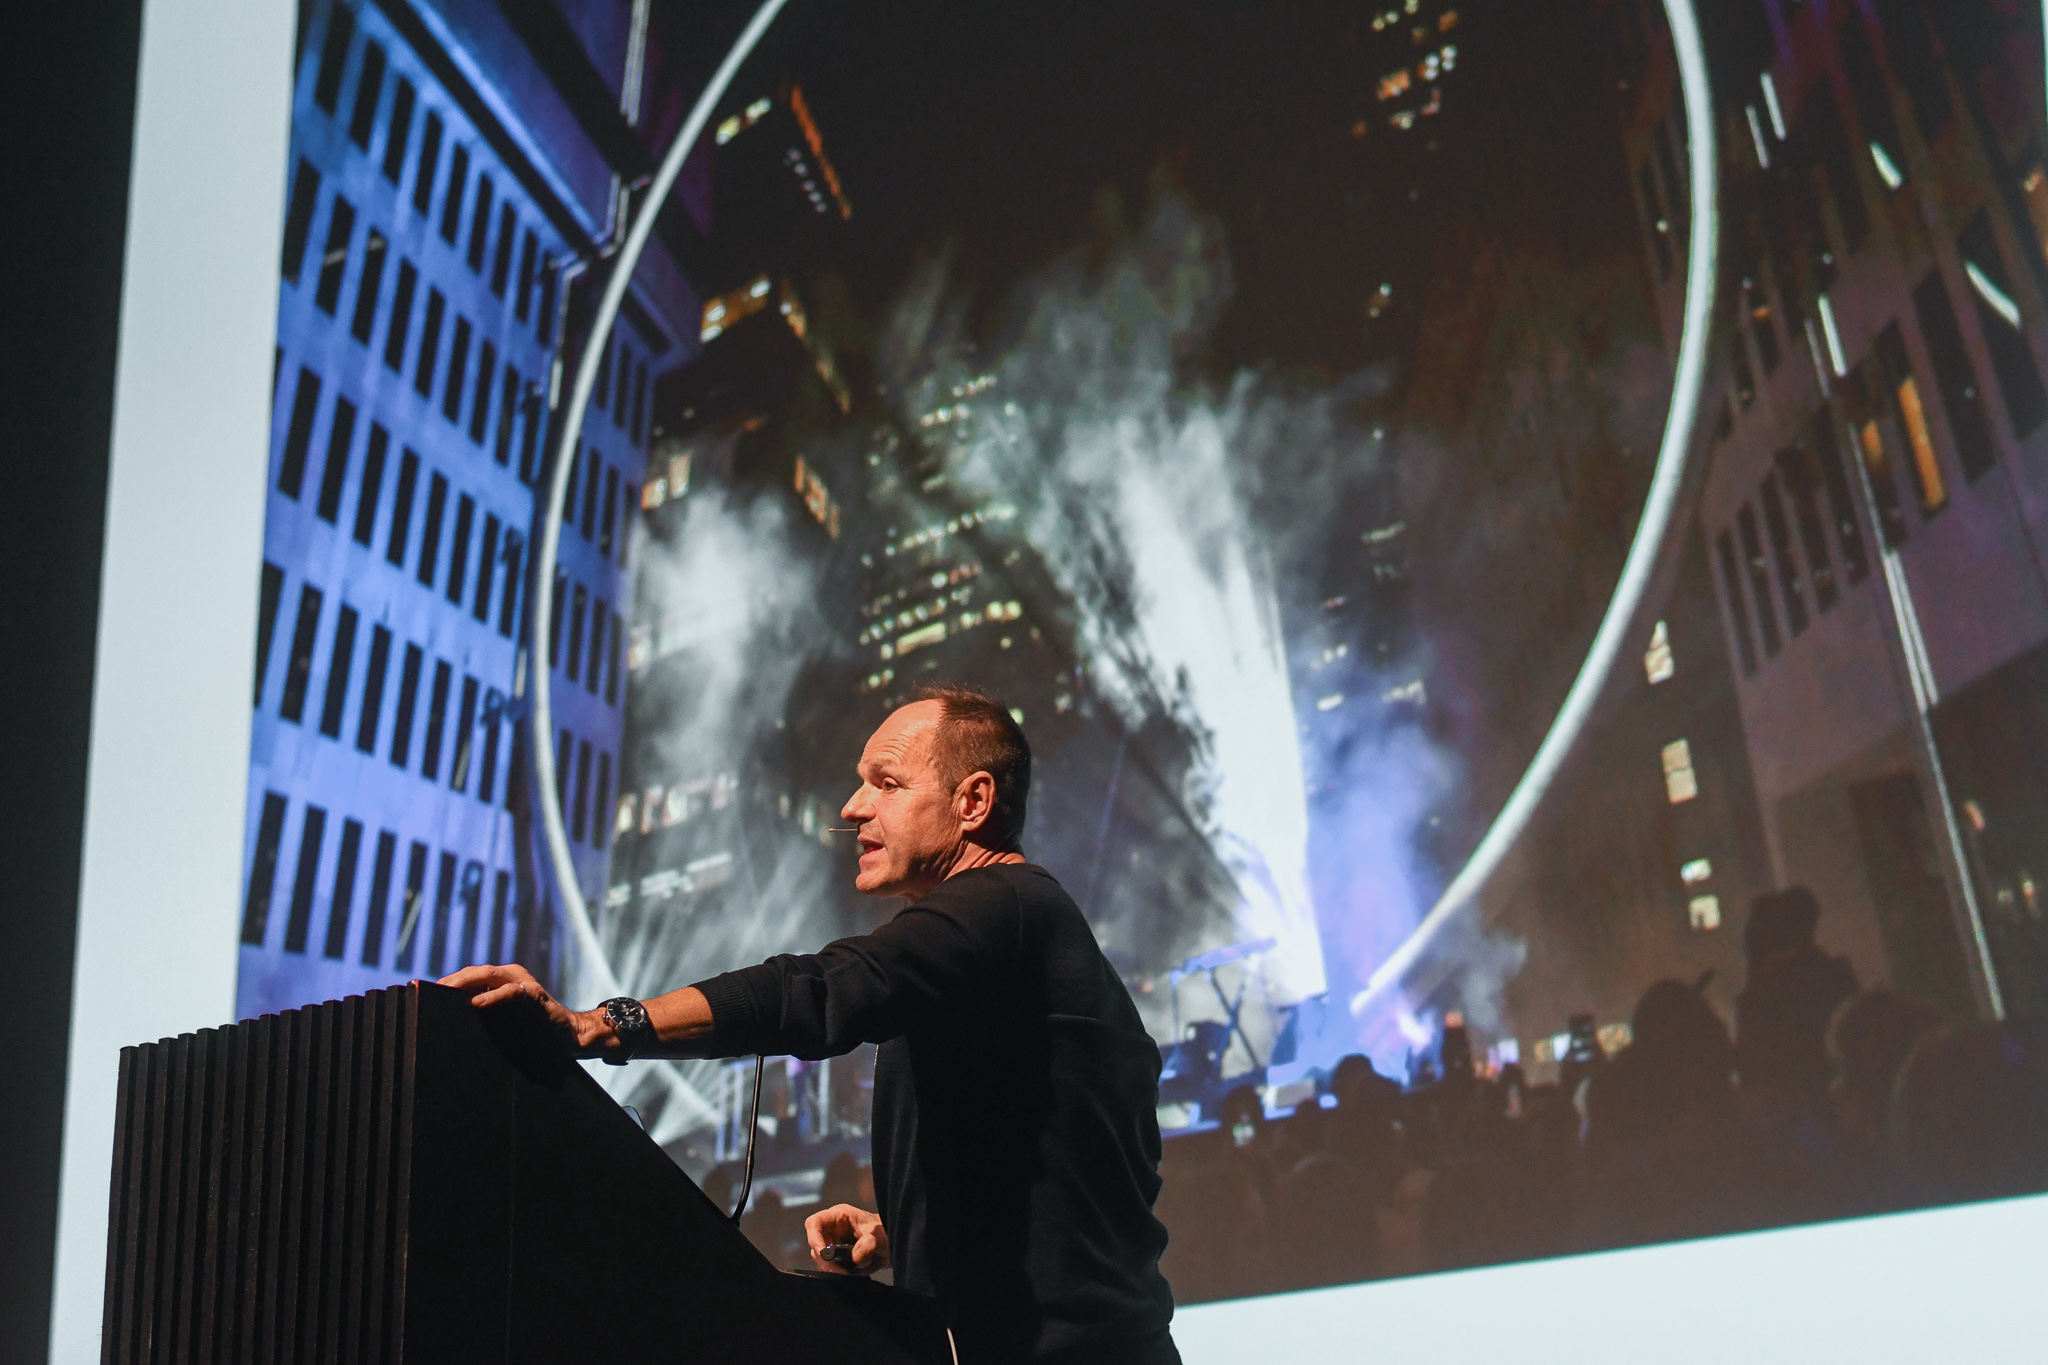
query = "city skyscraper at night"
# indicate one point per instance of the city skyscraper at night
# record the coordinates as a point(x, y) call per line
point(1871, 496)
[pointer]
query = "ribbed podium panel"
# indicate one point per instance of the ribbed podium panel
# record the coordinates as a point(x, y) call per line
point(259, 1195)
point(402, 1179)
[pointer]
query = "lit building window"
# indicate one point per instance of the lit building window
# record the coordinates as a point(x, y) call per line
point(1657, 662)
point(2000, 302)
point(743, 120)
point(1680, 782)
point(918, 639)
point(1394, 84)
point(2034, 189)
point(1933, 492)
point(731, 307)
point(1696, 871)
point(820, 503)
point(1447, 21)
point(1704, 912)
point(627, 815)
point(798, 107)
point(1412, 692)
point(1777, 111)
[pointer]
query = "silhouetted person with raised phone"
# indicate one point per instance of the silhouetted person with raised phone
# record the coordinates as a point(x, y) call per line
point(1016, 1143)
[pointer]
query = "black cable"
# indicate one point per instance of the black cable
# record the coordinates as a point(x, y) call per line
point(753, 1131)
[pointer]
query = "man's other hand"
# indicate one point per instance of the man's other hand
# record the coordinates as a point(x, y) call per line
point(846, 1225)
point(586, 1031)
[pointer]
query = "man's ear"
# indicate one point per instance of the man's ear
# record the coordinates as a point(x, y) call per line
point(976, 798)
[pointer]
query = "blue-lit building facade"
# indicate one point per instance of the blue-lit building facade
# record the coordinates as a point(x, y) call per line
point(451, 198)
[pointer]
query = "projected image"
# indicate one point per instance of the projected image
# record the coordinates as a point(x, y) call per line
point(1281, 410)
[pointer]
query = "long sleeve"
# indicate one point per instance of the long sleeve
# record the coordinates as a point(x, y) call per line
point(868, 988)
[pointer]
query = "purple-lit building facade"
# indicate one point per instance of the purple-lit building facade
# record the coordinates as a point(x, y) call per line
point(1872, 436)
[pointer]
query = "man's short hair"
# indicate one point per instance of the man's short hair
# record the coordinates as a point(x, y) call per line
point(977, 734)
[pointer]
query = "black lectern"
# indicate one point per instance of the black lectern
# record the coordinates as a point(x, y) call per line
point(400, 1178)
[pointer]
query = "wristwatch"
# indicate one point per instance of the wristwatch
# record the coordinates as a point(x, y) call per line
point(630, 1023)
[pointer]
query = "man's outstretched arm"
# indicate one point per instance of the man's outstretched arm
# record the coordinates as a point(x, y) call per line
point(680, 1018)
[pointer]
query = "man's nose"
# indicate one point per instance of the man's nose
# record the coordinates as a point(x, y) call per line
point(856, 807)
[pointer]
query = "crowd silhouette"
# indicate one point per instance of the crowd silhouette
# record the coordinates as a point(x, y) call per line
point(1823, 1101)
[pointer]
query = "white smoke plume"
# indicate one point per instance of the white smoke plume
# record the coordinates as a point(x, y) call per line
point(733, 602)
point(1185, 521)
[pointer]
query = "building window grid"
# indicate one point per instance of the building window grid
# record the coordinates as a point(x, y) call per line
point(269, 595)
point(401, 507)
point(452, 196)
point(341, 227)
point(380, 898)
point(430, 343)
point(2005, 341)
point(487, 567)
point(437, 720)
point(299, 665)
point(574, 659)
point(263, 870)
point(341, 31)
point(401, 316)
point(429, 164)
point(430, 533)
point(444, 903)
point(313, 833)
point(341, 430)
point(501, 262)
point(1779, 531)
point(1738, 609)
point(298, 220)
point(409, 912)
point(480, 402)
point(342, 901)
point(340, 659)
point(408, 701)
point(291, 469)
point(372, 715)
point(364, 321)
point(1759, 581)
point(369, 94)
point(398, 131)
point(458, 548)
point(403, 108)
point(458, 370)
point(480, 222)
point(465, 735)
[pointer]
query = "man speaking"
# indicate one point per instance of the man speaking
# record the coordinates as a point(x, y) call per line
point(1016, 1144)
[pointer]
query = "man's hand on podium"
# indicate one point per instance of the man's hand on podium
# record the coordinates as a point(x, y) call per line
point(845, 1225)
point(587, 1032)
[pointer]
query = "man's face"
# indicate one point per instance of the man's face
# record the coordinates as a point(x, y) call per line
point(904, 814)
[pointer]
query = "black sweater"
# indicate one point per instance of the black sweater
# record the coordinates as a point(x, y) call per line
point(1016, 1142)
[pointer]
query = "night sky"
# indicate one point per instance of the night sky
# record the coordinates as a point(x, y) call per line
point(1013, 134)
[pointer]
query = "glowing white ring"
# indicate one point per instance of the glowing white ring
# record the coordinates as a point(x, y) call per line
point(1642, 554)
point(1571, 717)
point(628, 257)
